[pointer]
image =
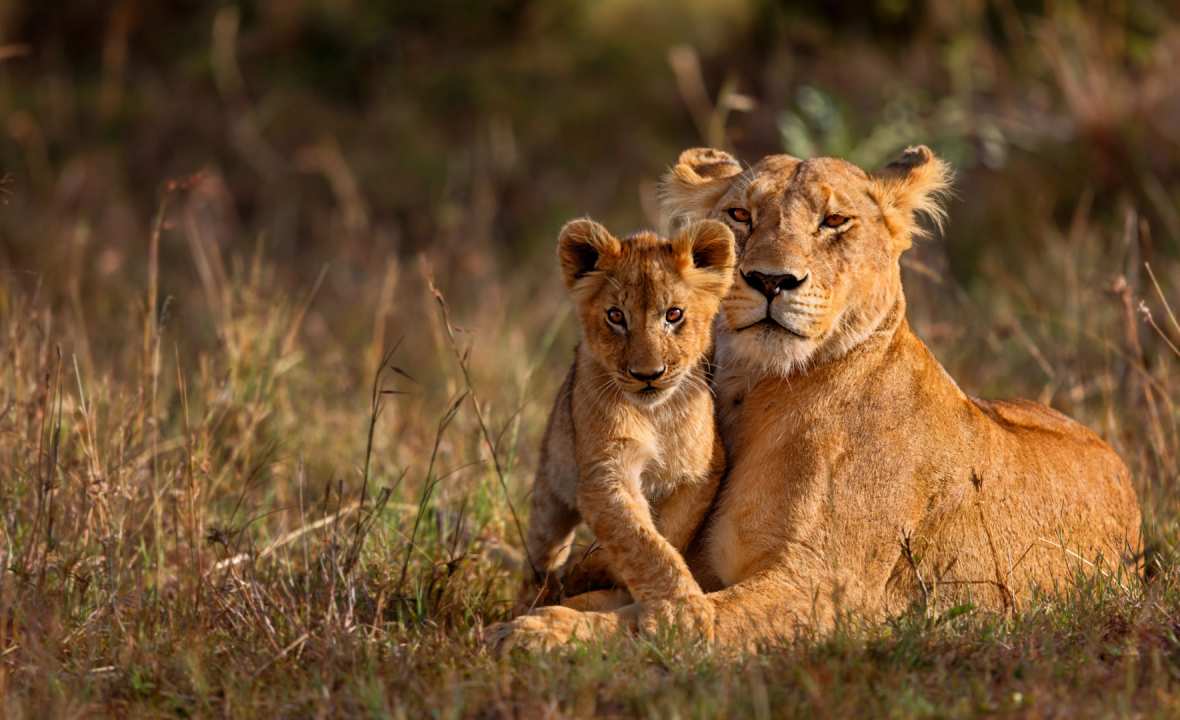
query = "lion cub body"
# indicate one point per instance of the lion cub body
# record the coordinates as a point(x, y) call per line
point(631, 446)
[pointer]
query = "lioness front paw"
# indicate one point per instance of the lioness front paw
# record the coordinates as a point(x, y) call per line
point(693, 616)
point(543, 629)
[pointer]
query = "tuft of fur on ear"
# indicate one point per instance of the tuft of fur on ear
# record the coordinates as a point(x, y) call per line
point(915, 185)
point(694, 184)
point(581, 245)
point(705, 251)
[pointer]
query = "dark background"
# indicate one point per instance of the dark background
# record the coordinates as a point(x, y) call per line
point(349, 130)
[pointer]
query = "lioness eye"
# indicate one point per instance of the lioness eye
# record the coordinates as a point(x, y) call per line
point(674, 315)
point(835, 221)
point(741, 215)
point(615, 316)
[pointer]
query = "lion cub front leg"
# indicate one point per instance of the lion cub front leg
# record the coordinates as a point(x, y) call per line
point(611, 500)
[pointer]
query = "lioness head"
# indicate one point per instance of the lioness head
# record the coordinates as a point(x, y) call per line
point(646, 303)
point(818, 244)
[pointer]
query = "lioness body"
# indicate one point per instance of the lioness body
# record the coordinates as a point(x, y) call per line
point(631, 445)
point(898, 489)
point(861, 477)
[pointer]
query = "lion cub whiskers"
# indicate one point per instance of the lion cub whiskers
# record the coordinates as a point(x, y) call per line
point(630, 446)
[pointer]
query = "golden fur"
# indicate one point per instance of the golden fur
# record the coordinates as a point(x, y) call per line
point(635, 456)
point(861, 478)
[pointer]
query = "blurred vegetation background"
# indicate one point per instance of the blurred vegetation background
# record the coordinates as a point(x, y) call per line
point(216, 218)
point(342, 133)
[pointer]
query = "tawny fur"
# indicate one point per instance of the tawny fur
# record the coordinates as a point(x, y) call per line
point(861, 478)
point(638, 460)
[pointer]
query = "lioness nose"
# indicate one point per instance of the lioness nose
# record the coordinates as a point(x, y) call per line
point(771, 285)
point(647, 376)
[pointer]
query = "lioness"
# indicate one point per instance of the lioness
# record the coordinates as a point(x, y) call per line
point(630, 445)
point(861, 477)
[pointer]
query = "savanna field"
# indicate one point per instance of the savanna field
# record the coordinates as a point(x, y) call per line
point(281, 322)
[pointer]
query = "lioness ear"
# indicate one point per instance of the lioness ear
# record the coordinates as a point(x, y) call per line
point(915, 184)
point(694, 184)
point(697, 164)
point(706, 255)
point(581, 244)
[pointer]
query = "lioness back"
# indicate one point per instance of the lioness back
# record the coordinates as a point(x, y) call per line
point(630, 446)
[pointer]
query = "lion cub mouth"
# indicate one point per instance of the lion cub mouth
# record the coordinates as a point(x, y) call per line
point(651, 395)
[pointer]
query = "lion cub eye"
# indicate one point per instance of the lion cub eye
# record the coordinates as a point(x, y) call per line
point(615, 316)
point(738, 214)
point(674, 315)
point(835, 221)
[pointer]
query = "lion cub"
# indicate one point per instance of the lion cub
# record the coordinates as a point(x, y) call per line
point(630, 445)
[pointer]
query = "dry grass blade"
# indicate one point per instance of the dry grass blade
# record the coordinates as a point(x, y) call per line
point(376, 404)
point(461, 357)
point(1167, 308)
point(287, 538)
point(429, 482)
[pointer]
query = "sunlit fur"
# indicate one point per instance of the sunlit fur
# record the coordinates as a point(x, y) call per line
point(639, 462)
point(860, 478)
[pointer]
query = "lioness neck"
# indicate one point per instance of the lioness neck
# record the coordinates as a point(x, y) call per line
point(864, 331)
point(838, 367)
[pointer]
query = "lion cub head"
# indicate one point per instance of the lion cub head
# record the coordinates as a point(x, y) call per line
point(647, 303)
point(818, 246)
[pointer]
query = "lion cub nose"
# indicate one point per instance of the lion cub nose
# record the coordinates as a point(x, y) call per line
point(649, 375)
point(771, 285)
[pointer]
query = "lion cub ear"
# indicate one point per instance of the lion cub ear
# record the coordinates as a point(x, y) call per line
point(694, 184)
point(916, 184)
point(705, 255)
point(581, 245)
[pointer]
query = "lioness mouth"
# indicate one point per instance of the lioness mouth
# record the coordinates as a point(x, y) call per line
point(768, 323)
